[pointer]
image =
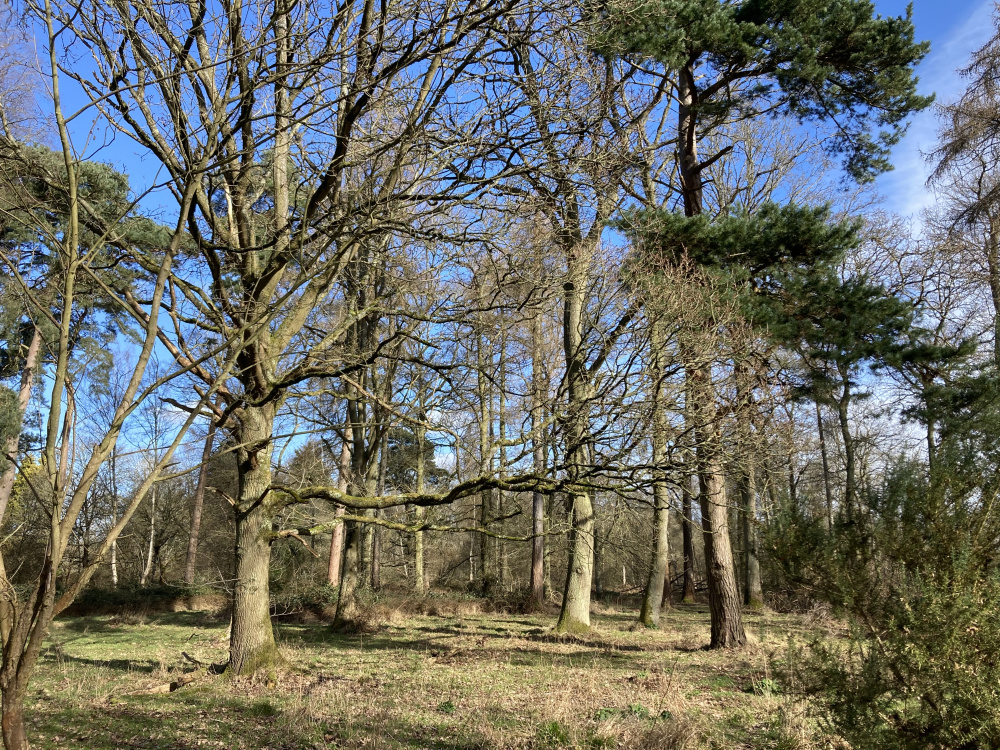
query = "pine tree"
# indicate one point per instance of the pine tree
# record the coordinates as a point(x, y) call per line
point(820, 60)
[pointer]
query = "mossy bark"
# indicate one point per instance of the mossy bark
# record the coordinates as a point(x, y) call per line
point(574, 617)
point(251, 642)
point(652, 600)
point(252, 645)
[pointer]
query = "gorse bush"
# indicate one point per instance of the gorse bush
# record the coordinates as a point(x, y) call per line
point(916, 580)
point(921, 665)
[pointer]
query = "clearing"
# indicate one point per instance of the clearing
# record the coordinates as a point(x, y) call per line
point(452, 679)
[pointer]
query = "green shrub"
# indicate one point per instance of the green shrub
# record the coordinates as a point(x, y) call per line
point(916, 579)
point(921, 670)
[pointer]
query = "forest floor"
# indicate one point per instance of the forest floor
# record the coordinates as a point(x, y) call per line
point(453, 679)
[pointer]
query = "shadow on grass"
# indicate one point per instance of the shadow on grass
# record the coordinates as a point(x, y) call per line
point(112, 624)
point(55, 656)
point(200, 719)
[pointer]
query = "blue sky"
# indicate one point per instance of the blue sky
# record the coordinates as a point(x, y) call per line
point(955, 28)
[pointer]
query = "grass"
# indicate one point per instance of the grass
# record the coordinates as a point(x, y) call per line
point(453, 681)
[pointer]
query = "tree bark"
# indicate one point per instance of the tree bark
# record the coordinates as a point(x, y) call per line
point(199, 502)
point(652, 600)
point(537, 580)
point(598, 557)
point(753, 596)
point(687, 534)
point(574, 617)
point(337, 536)
point(419, 576)
point(826, 468)
point(993, 272)
point(347, 604)
point(148, 567)
point(14, 736)
point(720, 569)
point(23, 399)
point(723, 594)
point(251, 643)
point(850, 488)
point(575, 614)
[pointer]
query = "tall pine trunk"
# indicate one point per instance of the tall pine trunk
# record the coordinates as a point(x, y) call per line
point(720, 568)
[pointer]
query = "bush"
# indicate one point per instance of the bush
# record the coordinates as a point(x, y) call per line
point(920, 670)
point(916, 581)
point(313, 601)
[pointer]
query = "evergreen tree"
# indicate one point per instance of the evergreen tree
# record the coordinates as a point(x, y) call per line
point(821, 60)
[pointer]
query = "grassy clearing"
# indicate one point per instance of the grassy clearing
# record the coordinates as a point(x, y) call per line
point(454, 680)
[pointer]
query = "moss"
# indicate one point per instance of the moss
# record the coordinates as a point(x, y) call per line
point(571, 626)
point(646, 621)
point(266, 659)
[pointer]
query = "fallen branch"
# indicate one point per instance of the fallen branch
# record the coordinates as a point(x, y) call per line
point(169, 687)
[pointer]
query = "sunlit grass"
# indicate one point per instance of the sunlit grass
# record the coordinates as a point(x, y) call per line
point(450, 681)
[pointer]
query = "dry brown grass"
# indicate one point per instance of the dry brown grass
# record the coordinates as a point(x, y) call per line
point(434, 672)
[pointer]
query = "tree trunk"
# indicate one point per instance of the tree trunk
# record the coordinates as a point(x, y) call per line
point(720, 569)
point(993, 272)
point(598, 554)
point(687, 533)
point(337, 536)
point(487, 559)
point(347, 604)
point(850, 488)
point(114, 516)
point(199, 502)
point(753, 597)
point(537, 580)
point(353, 578)
point(14, 737)
point(376, 564)
point(148, 567)
point(252, 645)
point(826, 468)
point(419, 579)
point(23, 399)
point(652, 600)
point(723, 593)
point(251, 642)
point(574, 616)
